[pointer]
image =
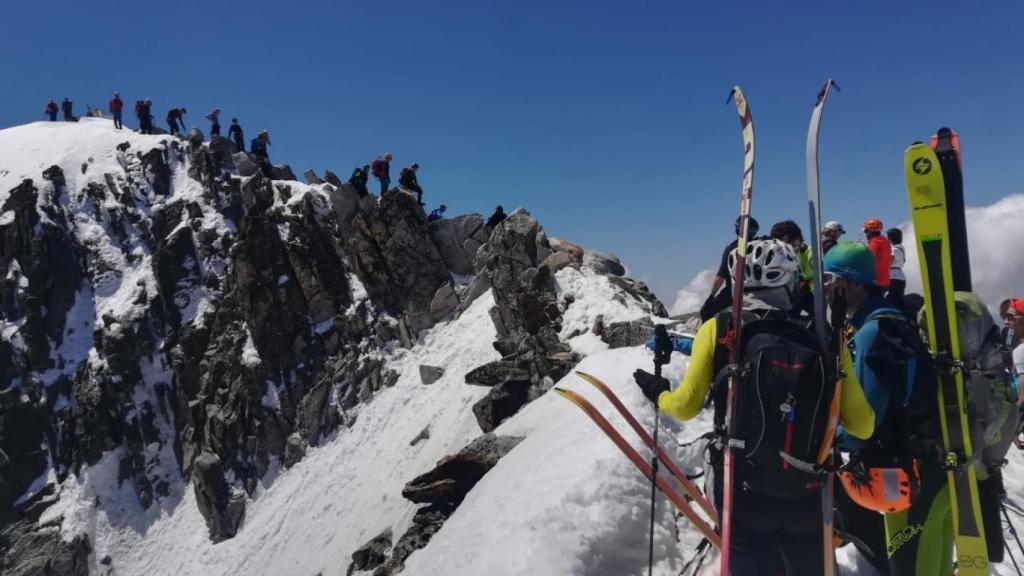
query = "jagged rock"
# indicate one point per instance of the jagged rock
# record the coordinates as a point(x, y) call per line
point(372, 554)
point(631, 333)
point(244, 164)
point(311, 177)
point(222, 507)
point(425, 524)
point(423, 435)
point(391, 251)
point(603, 263)
point(458, 239)
point(558, 260)
point(574, 250)
point(23, 431)
point(430, 374)
point(496, 372)
point(639, 292)
point(294, 450)
point(476, 288)
point(503, 401)
point(30, 550)
point(346, 203)
point(283, 172)
point(157, 171)
point(444, 303)
point(455, 475)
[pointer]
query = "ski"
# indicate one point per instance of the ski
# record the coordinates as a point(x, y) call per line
point(820, 327)
point(947, 148)
point(691, 490)
point(640, 462)
point(733, 334)
point(929, 212)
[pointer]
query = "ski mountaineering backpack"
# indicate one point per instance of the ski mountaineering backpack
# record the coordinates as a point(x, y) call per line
point(377, 168)
point(781, 400)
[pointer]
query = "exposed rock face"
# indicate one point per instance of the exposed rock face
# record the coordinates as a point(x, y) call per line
point(391, 250)
point(631, 333)
point(197, 321)
point(371, 554)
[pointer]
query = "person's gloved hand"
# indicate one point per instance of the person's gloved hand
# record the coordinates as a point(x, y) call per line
point(652, 386)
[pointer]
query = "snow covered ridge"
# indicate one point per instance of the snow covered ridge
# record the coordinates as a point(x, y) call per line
point(182, 339)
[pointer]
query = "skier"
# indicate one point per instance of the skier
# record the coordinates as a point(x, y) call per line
point(882, 250)
point(830, 235)
point(407, 180)
point(776, 506)
point(116, 106)
point(496, 218)
point(176, 120)
point(258, 147)
point(789, 232)
point(358, 180)
point(235, 132)
point(897, 280)
point(67, 107)
point(381, 170)
point(51, 110)
point(214, 118)
point(720, 298)
point(437, 214)
point(1014, 322)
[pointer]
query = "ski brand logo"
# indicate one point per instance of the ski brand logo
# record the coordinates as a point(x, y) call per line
point(972, 561)
point(904, 536)
point(922, 166)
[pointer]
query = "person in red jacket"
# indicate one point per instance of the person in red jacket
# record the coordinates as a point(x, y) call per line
point(51, 110)
point(881, 248)
point(116, 106)
point(176, 120)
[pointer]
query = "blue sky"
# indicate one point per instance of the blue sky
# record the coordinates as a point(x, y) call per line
point(606, 120)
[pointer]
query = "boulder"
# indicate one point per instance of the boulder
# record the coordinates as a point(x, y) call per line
point(294, 450)
point(458, 239)
point(222, 507)
point(503, 401)
point(430, 374)
point(444, 302)
point(372, 554)
point(558, 260)
point(244, 164)
point(454, 476)
point(631, 333)
point(603, 263)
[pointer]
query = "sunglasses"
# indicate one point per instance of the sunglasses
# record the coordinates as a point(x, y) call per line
point(829, 278)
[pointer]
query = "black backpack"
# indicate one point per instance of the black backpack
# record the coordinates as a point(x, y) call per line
point(911, 427)
point(781, 400)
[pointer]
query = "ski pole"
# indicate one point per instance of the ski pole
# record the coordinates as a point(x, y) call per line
point(662, 353)
point(1013, 532)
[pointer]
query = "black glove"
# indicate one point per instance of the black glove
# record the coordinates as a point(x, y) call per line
point(652, 386)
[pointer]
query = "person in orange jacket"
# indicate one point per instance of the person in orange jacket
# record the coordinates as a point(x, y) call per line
point(882, 249)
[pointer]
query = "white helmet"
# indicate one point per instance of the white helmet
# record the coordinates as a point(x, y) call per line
point(833, 226)
point(770, 264)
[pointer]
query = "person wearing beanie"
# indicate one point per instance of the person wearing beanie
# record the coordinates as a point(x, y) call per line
point(887, 349)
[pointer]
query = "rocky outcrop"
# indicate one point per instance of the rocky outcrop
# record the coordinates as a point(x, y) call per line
point(392, 252)
point(30, 550)
point(454, 476)
point(458, 240)
point(630, 333)
point(372, 554)
point(221, 506)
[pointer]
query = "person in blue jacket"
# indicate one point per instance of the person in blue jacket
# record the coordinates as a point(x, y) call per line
point(437, 214)
point(258, 148)
point(917, 539)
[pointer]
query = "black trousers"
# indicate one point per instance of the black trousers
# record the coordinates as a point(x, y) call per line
point(215, 129)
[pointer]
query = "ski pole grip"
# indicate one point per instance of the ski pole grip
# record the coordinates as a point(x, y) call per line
point(662, 348)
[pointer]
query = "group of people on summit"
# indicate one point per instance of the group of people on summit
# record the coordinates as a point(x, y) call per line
point(893, 504)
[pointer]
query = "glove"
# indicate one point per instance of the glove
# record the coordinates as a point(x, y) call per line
point(652, 386)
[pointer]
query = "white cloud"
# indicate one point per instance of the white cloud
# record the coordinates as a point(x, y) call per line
point(994, 234)
point(692, 296)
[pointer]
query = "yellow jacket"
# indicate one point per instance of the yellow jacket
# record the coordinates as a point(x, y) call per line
point(686, 401)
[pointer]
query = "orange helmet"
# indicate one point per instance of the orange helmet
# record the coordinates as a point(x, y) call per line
point(872, 225)
point(882, 489)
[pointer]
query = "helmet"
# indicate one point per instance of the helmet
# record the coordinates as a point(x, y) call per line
point(770, 264)
point(388, 156)
point(882, 489)
point(851, 261)
point(873, 225)
point(833, 226)
point(1016, 307)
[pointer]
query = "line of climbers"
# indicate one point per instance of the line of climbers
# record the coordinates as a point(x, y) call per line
point(380, 168)
point(894, 505)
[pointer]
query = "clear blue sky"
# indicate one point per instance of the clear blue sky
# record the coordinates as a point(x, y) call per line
point(606, 120)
